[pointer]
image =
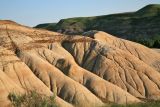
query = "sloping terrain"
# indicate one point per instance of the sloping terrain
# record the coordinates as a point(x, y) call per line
point(157, 50)
point(87, 71)
point(46, 25)
point(142, 26)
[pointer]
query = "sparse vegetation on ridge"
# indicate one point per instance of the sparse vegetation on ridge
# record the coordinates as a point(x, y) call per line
point(32, 99)
point(147, 104)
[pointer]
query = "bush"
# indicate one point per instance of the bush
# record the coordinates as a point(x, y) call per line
point(156, 44)
point(147, 42)
point(32, 99)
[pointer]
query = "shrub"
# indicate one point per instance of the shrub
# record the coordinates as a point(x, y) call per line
point(32, 99)
point(156, 44)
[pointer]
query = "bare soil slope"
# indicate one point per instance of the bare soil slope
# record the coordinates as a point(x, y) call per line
point(87, 71)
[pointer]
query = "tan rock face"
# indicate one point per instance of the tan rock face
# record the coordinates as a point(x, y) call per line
point(143, 53)
point(157, 50)
point(87, 71)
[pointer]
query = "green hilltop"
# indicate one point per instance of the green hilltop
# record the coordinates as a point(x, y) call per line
point(142, 26)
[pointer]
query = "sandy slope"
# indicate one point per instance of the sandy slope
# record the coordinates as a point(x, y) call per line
point(87, 71)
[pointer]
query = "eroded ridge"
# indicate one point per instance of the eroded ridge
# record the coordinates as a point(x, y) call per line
point(83, 71)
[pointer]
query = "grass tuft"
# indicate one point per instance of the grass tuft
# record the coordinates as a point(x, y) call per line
point(32, 99)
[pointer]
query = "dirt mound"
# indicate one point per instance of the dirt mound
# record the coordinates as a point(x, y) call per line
point(84, 71)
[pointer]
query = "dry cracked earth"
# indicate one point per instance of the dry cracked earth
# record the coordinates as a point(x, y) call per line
point(88, 70)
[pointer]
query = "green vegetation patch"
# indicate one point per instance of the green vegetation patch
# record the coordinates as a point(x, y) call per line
point(32, 99)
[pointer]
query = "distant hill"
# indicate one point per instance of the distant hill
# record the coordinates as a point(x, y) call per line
point(47, 26)
point(142, 26)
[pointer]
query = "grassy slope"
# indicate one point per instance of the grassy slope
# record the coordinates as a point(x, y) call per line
point(142, 26)
point(46, 26)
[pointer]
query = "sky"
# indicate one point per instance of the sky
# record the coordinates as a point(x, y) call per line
point(33, 12)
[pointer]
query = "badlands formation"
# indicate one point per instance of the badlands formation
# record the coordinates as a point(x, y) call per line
point(88, 71)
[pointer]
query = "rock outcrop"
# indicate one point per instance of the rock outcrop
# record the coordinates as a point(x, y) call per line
point(87, 71)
